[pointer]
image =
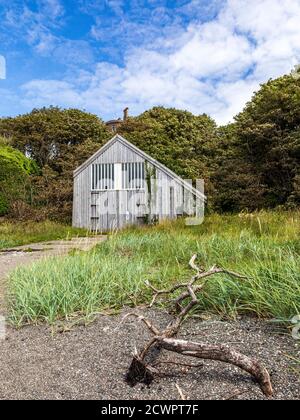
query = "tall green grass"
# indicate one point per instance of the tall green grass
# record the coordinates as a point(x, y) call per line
point(23, 233)
point(264, 246)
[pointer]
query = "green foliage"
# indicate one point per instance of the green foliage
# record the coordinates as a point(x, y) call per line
point(47, 134)
point(261, 161)
point(4, 206)
point(15, 170)
point(59, 140)
point(183, 142)
point(12, 158)
point(263, 246)
point(251, 164)
point(14, 234)
point(270, 135)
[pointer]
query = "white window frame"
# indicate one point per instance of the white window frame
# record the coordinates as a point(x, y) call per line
point(107, 172)
point(118, 176)
point(134, 171)
point(120, 180)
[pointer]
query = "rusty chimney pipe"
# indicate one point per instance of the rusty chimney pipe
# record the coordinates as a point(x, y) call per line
point(125, 113)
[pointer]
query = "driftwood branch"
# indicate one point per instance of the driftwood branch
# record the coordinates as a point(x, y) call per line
point(180, 392)
point(200, 275)
point(142, 366)
point(223, 354)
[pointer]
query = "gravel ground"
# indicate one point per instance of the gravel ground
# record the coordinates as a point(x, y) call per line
point(90, 362)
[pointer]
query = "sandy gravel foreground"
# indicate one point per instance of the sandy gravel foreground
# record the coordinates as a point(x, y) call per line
point(90, 362)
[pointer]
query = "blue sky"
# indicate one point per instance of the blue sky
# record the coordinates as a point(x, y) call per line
point(103, 55)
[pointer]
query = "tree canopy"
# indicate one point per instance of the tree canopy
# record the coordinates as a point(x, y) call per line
point(48, 134)
point(252, 163)
point(59, 140)
point(260, 165)
point(183, 142)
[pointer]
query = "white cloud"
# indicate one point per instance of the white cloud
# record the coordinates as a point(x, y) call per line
point(211, 67)
point(213, 49)
point(34, 26)
point(41, 92)
point(52, 9)
point(232, 97)
point(2, 67)
point(39, 29)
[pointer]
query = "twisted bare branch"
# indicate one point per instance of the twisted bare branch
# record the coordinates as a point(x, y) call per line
point(141, 371)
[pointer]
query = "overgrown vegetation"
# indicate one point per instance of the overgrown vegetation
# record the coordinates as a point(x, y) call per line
point(264, 246)
point(58, 140)
point(248, 165)
point(17, 234)
point(15, 170)
point(259, 156)
point(184, 142)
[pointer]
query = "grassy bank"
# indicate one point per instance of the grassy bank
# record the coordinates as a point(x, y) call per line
point(265, 247)
point(17, 234)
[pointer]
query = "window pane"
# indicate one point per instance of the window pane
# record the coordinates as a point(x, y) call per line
point(133, 175)
point(103, 176)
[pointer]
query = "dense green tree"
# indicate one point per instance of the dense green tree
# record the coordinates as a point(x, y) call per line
point(54, 190)
point(269, 134)
point(15, 170)
point(180, 140)
point(250, 164)
point(48, 134)
point(259, 155)
point(236, 187)
point(59, 140)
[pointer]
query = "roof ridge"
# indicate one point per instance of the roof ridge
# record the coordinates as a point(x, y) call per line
point(137, 150)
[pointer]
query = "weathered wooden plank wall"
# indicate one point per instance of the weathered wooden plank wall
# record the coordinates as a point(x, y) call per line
point(108, 210)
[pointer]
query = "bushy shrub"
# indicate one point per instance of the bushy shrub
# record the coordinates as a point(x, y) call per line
point(59, 140)
point(15, 170)
point(3, 205)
